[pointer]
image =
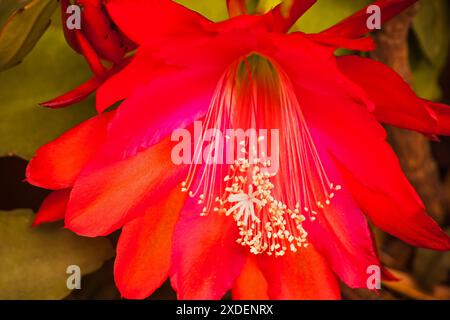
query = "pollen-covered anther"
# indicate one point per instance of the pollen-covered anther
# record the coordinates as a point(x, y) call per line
point(265, 224)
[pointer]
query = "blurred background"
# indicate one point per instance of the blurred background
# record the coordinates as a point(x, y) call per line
point(36, 64)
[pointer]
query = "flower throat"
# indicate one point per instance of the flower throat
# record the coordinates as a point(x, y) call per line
point(268, 202)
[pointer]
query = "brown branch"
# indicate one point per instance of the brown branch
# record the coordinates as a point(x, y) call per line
point(413, 149)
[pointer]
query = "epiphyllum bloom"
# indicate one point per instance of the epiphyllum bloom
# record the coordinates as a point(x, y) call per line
point(289, 233)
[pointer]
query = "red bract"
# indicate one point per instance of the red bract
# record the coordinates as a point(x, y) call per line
point(97, 39)
point(290, 235)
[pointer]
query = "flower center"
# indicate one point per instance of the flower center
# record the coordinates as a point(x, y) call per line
point(268, 194)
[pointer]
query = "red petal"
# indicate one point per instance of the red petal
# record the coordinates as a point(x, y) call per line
point(53, 208)
point(298, 55)
point(341, 233)
point(357, 143)
point(442, 113)
point(57, 164)
point(359, 44)
point(353, 136)
point(139, 72)
point(90, 54)
point(206, 258)
point(251, 284)
point(144, 248)
point(403, 218)
point(356, 25)
point(76, 95)
point(304, 275)
point(395, 102)
point(69, 34)
point(155, 111)
point(100, 31)
point(108, 194)
point(153, 20)
point(85, 89)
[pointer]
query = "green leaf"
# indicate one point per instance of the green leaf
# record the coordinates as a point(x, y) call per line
point(326, 13)
point(215, 10)
point(431, 28)
point(430, 47)
point(50, 70)
point(34, 260)
point(426, 78)
point(23, 29)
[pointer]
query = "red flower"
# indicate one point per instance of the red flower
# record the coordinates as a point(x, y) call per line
point(97, 39)
point(289, 234)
